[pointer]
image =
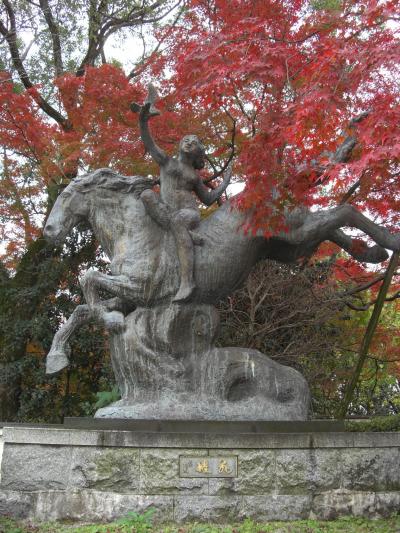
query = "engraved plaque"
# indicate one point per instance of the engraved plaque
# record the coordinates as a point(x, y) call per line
point(206, 466)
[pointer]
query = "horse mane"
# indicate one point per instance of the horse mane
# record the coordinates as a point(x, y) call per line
point(105, 178)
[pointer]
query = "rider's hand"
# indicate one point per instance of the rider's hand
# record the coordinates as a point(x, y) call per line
point(147, 110)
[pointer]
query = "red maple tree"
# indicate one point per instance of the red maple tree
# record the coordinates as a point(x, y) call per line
point(312, 88)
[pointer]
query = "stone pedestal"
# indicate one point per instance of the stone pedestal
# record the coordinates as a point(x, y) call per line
point(93, 475)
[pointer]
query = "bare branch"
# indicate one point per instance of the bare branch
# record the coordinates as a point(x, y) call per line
point(350, 192)
point(102, 25)
point(141, 66)
point(96, 39)
point(55, 36)
point(218, 173)
point(27, 49)
point(11, 38)
point(365, 286)
point(365, 307)
point(341, 155)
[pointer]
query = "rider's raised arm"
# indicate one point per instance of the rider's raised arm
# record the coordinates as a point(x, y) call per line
point(209, 196)
point(146, 111)
point(155, 151)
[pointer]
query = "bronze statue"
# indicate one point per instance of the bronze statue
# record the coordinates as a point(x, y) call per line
point(163, 350)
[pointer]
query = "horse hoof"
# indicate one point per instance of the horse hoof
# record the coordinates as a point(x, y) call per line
point(379, 254)
point(114, 321)
point(56, 360)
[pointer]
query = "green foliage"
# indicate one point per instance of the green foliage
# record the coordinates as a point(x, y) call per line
point(140, 523)
point(326, 5)
point(7, 525)
point(135, 523)
point(32, 307)
point(377, 392)
point(104, 398)
point(378, 423)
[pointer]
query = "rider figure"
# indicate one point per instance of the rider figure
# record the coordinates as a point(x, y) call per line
point(175, 208)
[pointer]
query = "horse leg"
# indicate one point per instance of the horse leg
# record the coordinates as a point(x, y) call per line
point(350, 216)
point(119, 286)
point(325, 225)
point(58, 356)
point(359, 250)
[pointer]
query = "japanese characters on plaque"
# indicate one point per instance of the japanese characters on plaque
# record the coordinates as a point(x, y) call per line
point(208, 466)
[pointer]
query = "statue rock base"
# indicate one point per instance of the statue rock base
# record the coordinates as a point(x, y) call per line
point(167, 368)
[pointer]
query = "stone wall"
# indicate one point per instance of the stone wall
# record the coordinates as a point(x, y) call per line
point(101, 475)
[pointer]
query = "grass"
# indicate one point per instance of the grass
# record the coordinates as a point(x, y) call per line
point(135, 523)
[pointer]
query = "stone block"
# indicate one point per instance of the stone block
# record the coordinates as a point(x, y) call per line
point(356, 440)
point(256, 473)
point(279, 476)
point(159, 472)
point(16, 504)
point(275, 507)
point(151, 439)
point(387, 503)
point(371, 469)
point(334, 504)
point(35, 467)
point(305, 471)
point(217, 509)
point(325, 469)
point(54, 436)
point(108, 469)
point(294, 473)
point(99, 506)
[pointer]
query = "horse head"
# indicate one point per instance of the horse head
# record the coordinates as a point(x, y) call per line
point(68, 210)
point(77, 202)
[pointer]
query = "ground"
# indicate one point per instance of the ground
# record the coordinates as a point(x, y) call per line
point(142, 524)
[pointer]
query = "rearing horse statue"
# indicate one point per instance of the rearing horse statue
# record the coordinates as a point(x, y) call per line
point(144, 275)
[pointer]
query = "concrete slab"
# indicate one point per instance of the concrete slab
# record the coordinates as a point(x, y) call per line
point(114, 438)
